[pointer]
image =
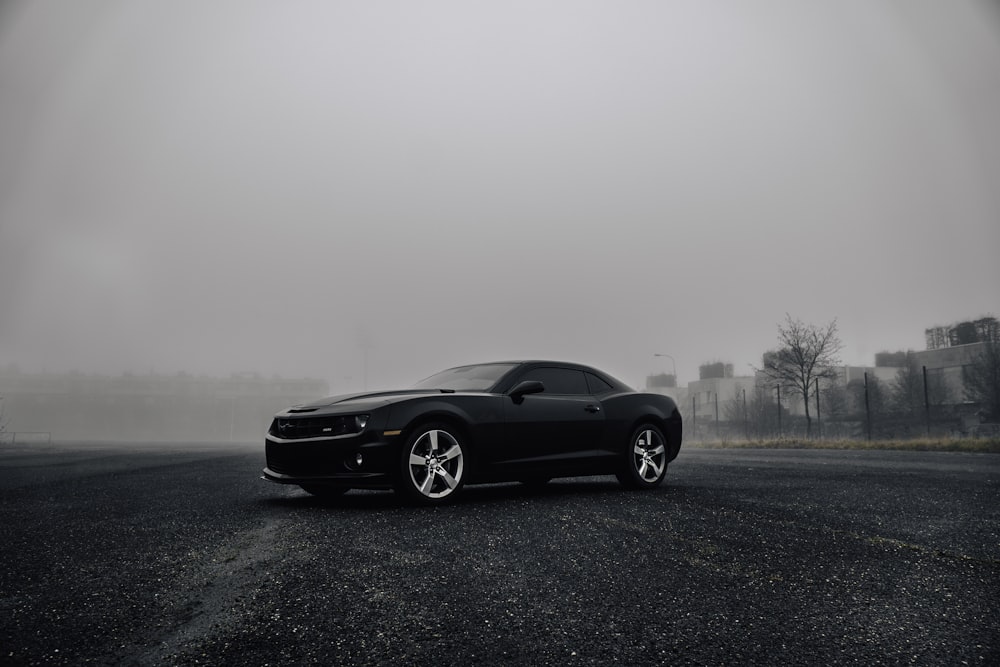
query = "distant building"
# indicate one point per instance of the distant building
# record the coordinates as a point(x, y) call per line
point(947, 363)
point(715, 369)
point(710, 399)
point(707, 399)
point(661, 380)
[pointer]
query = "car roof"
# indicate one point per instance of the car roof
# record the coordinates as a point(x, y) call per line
point(566, 364)
point(554, 362)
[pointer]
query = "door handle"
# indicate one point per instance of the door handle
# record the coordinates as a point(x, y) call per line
point(593, 408)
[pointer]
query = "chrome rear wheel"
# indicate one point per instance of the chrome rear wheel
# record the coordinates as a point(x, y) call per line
point(646, 458)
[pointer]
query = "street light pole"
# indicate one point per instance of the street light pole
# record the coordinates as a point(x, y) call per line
point(673, 364)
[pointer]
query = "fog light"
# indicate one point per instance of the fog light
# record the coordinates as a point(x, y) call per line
point(359, 459)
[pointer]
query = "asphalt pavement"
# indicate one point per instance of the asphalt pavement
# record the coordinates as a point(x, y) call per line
point(181, 555)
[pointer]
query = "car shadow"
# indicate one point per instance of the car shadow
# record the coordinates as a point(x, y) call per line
point(478, 495)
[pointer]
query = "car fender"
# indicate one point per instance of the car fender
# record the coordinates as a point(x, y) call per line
point(625, 412)
point(481, 415)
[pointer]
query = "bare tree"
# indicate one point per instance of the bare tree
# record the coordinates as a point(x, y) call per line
point(906, 392)
point(806, 353)
point(733, 409)
point(982, 379)
point(756, 411)
point(871, 401)
point(835, 401)
point(908, 397)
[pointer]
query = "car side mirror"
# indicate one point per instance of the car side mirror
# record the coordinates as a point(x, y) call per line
point(524, 388)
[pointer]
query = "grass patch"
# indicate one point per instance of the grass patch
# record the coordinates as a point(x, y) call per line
point(978, 445)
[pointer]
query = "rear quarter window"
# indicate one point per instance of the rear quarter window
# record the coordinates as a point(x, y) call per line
point(597, 385)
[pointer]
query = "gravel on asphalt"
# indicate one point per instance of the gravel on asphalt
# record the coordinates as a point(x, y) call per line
point(180, 555)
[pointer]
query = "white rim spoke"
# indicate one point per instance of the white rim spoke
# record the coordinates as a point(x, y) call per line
point(448, 479)
point(428, 484)
point(417, 460)
point(452, 452)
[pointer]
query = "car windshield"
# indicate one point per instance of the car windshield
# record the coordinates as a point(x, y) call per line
point(466, 378)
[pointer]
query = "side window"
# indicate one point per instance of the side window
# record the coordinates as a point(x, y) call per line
point(597, 385)
point(560, 380)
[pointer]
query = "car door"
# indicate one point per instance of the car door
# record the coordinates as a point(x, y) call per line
point(559, 428)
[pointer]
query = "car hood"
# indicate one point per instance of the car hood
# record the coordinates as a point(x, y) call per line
point(360, 401)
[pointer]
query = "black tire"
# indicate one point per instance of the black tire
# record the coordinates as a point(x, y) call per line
point(321, 491)
point(433, 464)
point(645, 463)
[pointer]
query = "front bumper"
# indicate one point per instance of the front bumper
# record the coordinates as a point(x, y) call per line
point(332, 462)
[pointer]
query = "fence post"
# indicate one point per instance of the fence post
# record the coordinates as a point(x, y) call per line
point(927, 403)
point(694, 417)
point(717, 415)
point(868, 412)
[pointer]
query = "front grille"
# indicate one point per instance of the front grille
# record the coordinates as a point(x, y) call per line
point(292, 428)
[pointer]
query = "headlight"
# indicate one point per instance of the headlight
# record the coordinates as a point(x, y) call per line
point(342, 425)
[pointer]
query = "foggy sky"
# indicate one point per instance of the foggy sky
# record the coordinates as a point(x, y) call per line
point(367, 192)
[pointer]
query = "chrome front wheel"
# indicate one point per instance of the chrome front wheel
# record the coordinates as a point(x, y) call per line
point(433, 463)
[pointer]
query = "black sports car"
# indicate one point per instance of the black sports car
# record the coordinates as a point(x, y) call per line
point(528, 421)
